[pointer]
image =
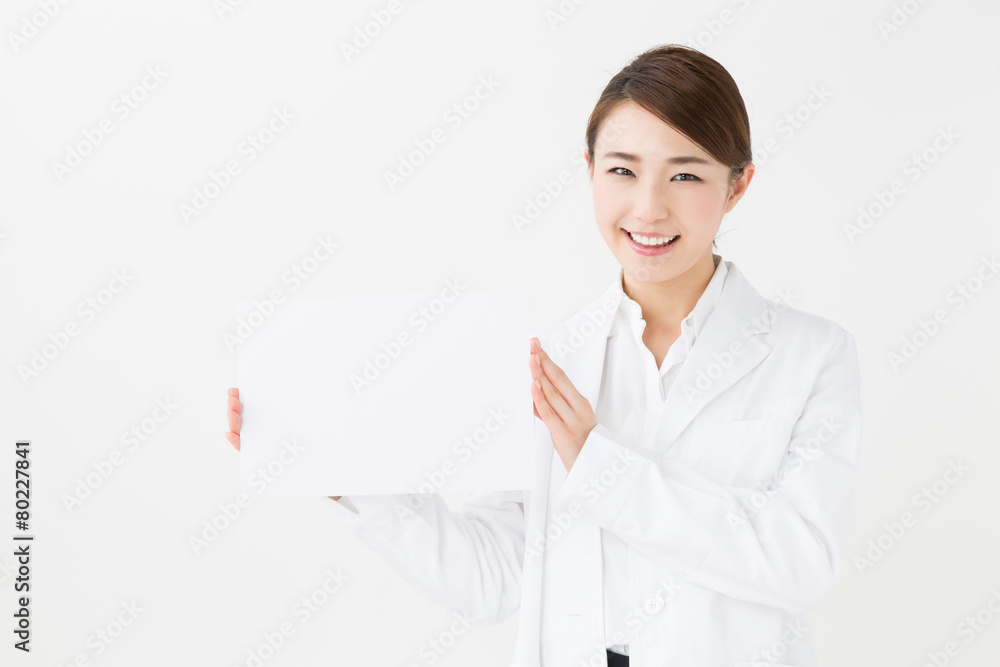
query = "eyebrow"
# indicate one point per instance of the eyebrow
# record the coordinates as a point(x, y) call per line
point(682, 159)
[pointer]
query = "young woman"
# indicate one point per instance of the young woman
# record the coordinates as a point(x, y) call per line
point(695, 475)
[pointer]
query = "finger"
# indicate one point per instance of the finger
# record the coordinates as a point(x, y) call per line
point(234, 392)
point(543, 410)
point(560, 381)
point(556, 401)
point(235, 422)
point(534, 364)
point(534, 405)
point(536, 396)
point(234, 439)
point(234, 404)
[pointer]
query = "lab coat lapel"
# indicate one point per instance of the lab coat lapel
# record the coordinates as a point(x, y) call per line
point(727, 348)
point(578, 347)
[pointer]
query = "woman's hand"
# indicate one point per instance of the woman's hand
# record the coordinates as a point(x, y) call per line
point(233, 411)
point(565, 411)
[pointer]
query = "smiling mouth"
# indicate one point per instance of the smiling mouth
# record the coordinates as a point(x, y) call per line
point(652, 241)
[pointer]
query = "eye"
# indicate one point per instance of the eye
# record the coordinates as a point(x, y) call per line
point(617, 171)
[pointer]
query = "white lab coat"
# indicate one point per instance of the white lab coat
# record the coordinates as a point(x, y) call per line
point(735, 519)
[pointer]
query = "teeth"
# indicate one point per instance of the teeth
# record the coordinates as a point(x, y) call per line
point(650, 241)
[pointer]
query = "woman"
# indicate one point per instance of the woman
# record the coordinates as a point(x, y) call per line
point(695, 474)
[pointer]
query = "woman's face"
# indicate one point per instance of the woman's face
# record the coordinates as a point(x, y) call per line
point(651, 180)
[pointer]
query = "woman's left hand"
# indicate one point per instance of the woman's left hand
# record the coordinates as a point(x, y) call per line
point(565, 411)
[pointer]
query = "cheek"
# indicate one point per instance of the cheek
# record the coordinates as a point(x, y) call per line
point(705, 207)
point(608, 204)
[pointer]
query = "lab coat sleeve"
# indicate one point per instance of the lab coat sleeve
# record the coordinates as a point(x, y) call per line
point(781, 548)
point(468, 561)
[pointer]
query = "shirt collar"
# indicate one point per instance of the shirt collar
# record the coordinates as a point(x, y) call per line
point(694, 322)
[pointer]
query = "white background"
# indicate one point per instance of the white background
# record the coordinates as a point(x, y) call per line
point(162, 336)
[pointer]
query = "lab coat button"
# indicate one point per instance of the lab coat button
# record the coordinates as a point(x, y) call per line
point(653, 604)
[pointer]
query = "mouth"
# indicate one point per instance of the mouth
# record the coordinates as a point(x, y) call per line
point(650, 244)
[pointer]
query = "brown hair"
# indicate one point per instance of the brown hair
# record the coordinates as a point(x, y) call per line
point(687, 90)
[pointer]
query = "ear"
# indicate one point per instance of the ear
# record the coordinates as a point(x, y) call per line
point(739, 187)
point(590, 165)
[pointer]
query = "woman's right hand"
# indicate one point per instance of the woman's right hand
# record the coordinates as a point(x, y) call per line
point(234, 410)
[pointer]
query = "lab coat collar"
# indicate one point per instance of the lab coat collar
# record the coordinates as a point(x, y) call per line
point(692, 323)
point(727, 348)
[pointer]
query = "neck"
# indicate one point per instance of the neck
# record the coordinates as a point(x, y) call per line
point(664, 304)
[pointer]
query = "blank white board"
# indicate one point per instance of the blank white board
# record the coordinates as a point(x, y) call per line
point(401, 393)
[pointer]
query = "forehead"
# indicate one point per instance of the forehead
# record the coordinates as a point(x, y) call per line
point(631, 128)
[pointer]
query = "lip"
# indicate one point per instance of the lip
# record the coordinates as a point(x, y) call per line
point(647, 251)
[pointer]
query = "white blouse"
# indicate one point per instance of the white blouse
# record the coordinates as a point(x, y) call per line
point(632, 395)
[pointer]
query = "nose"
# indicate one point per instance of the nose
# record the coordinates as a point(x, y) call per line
point(650, 205)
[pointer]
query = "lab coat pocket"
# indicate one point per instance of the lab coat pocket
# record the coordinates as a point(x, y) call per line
point(745, 452)
point(749, 427)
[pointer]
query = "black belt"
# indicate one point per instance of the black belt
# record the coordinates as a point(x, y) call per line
point(617, 659)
